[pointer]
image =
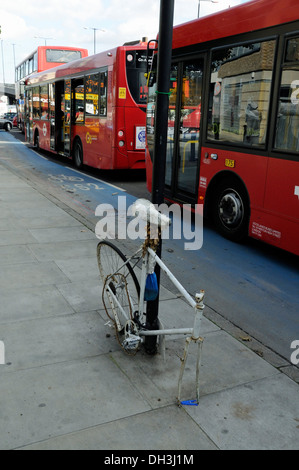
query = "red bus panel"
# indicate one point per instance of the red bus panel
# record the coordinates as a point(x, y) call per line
point(100, 120)
point(233, 121)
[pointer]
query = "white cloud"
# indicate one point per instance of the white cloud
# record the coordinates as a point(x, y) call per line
point(63, 20)
point(12, 26)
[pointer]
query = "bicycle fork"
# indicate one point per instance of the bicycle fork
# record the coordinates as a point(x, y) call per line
point(199, 341)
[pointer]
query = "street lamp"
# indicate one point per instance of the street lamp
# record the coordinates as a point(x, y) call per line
point(42, 37)
point(2, 61)
point(211, 1)
point(94, 36)
point(14, 55)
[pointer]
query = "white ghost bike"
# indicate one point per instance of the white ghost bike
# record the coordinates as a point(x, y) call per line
point(124, 297)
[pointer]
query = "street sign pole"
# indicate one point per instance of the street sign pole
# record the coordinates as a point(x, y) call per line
point(160, 142)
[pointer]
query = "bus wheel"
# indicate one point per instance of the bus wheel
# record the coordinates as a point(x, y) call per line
point(230, 210)
point(78, 154)
point(36, 140)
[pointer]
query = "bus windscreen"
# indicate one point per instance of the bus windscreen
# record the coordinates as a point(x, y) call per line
point(62, 56)
point(136, 66)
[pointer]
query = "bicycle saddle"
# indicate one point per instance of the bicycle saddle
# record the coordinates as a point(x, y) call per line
point(148, 213)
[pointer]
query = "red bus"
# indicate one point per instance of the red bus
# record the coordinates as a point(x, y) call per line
point(43, 58)
point(237, 73)
point(92, 110)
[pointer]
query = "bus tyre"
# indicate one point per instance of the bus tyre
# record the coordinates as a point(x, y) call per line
point(230, 210)
point(36, 140)
point(78, 154)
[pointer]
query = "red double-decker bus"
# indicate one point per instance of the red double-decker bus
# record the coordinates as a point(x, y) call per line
point(43, 58)
point(233, 125)
point(92, 110)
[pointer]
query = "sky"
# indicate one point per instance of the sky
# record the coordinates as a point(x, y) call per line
point(26, 25)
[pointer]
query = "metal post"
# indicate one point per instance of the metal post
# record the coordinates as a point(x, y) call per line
point(160, 143)
point(2, 61)
point(14, 55)
point(94, 36)
point(94, 40)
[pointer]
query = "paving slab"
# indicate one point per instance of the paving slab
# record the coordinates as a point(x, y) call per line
point(61, 234)
point(15, 254)
point(29, 209)
point(79, 268)
point(17, 236)
point(60, 220)
point(10, 223)
point(20, 194)
point(17, 276)
point(32, 302)
point(175, 312)
point(49, 401)
point(163, 429)
point(82, 297)
point(226, 363)
point(9, 181)
point(258, 415)
point(72, 249)
point(4, 214)
point(50, 340)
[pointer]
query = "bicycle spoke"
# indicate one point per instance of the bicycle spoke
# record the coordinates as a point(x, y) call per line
point(120, 287)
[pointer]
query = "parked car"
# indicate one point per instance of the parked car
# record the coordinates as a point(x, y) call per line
point(9, 116)
point(5, 124)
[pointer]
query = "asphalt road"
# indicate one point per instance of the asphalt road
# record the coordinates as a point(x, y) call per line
point(251, 286)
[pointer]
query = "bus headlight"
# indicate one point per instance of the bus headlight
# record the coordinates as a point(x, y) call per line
point(121, 143)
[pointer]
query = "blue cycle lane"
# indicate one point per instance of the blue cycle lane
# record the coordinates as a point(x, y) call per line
point(80, 190)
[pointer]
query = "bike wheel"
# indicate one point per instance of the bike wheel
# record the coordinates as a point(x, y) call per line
point(123, 283)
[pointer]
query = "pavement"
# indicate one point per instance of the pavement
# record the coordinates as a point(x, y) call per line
point(67, 385)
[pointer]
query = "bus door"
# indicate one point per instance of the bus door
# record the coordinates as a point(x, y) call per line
point(183, 142)
point(52, 115)
point(29, 114)
point(67, 117)
point(59, 117)
point(62, 121)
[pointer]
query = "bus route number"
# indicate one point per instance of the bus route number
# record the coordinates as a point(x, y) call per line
point(122, 93)
point(230, 163)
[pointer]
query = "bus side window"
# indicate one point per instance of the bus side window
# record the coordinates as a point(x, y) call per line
point(44, 102)
point(92, 95)
point(239, 96)
point(78, 96)
point(36, 103)
point(103, 93)
point(287, 121)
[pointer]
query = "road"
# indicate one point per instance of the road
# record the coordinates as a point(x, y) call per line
point(251, 286)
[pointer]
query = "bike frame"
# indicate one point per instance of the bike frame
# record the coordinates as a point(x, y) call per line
point(193, 332)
